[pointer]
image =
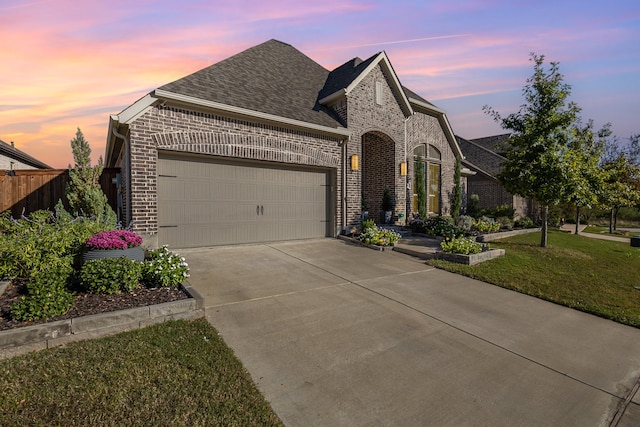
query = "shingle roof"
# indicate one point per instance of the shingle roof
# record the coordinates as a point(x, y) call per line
point(272, 77)
point(495, 143)
point(10, 151)
point(341, 77)
point(478, 157)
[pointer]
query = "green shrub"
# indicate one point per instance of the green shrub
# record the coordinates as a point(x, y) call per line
point(486, 225)
point(31, 243)
point(164, 268)
point(47, 294)
point(525, 222)
point(438, 226)
point(110, 275)
point(461, 245)
point(500, 211)
point(367, 224)
point(465, 222)
point(506, 223)
point(473, 206)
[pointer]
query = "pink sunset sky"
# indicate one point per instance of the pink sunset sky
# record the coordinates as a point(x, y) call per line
point(69, 64)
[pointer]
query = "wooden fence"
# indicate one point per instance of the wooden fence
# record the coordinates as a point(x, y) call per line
point(33, 189)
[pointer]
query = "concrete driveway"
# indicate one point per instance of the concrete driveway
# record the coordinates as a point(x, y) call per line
point(340, 335)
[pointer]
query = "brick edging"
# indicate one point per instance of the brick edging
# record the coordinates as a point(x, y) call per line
point(23, 340)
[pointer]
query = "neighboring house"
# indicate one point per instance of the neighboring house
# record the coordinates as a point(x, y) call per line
point(485, 156)
point(13, 159)
point(268, 145)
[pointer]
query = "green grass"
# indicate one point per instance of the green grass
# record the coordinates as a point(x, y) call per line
point(173, 374)
point(592, 275)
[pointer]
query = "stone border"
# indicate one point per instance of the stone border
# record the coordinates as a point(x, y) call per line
point(14, 342)
point(483, 238)
point(358, 242)
point(469, 259)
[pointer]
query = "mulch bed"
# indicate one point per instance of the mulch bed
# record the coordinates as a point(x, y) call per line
point(86, 304)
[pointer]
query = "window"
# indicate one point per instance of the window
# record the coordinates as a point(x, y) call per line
point(427, 167)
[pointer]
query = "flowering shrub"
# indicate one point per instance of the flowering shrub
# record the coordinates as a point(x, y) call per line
point(373, 235)
point(461, 245)
point(164, 268)
point(114, 239)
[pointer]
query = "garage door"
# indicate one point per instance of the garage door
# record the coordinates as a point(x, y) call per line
point(204, 203)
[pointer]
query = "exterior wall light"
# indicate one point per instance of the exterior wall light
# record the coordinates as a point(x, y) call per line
point(403, 169)
point(354, 163)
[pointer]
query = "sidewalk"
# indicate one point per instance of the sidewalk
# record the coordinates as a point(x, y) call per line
point(571, 228)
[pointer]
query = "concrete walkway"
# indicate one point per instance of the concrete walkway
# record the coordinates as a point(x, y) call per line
point(336, 334)
point(571, 228)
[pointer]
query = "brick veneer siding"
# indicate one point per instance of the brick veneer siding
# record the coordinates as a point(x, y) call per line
point(181, 130)
point(379, 128)
point(425, 129)
point(490, 192)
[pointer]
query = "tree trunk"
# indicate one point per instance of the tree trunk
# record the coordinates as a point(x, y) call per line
point(615, 218)
point(577, 219)
point(545, 215)
point(611, 221)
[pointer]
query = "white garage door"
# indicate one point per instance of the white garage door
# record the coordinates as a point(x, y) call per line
point(204, 203)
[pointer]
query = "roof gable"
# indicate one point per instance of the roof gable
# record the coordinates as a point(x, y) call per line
point(481, 158)
point(272, 77)
point(10, 151)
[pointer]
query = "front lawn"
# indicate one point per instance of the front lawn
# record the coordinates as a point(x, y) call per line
point(172, 374)
point(595, 229)
point(592, 275)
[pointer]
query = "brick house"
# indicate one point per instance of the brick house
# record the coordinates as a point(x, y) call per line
point(13, 159)
point(269, 145)
point(485, 156)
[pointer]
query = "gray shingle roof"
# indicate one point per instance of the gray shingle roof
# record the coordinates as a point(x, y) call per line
point(495, 143)
point(344, 75)
point(9, 150)
point(272, 77)
point(481, 158)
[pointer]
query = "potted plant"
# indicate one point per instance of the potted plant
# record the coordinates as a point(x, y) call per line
point(387, 206)
point(114, 244)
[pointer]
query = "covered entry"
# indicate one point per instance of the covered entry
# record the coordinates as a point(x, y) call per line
point(205, 201)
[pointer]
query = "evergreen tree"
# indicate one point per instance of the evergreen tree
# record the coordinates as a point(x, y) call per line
point(456, 196)
point(421, 189)
point(84, 193)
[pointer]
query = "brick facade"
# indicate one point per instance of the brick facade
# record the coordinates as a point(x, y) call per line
point(173, 129)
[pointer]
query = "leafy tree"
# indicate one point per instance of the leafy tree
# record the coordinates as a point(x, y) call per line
point(535, 165)
point(83, 191)
point(421, 189)
point(456, 196)
point(622, 186)
point(586, 179)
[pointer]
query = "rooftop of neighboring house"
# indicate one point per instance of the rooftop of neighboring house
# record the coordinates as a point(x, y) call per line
point(10, 151)
point(481, 155)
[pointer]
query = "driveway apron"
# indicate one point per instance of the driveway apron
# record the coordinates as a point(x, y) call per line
point(336, 334)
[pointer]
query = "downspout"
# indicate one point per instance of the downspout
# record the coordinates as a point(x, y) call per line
point(125, 141)
point(343, 225)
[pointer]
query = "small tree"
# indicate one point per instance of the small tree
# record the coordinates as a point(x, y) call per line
point(456, 196)
point(622, 186)
point(83, 191)
point(535, 167)
point(421, 189)
point(583, 163)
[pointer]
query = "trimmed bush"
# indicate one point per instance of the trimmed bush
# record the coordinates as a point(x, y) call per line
point(110, 275)
point(486, 225)
point(164, 268)
point(525, 222)
point(506, 223)
point(48, 294)
point(465, 222)
point(437, 226)
point(372, 235)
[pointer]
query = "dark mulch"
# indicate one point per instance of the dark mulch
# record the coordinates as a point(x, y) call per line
point(86, 304)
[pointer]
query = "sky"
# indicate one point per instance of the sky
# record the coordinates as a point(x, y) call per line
point(66, 64)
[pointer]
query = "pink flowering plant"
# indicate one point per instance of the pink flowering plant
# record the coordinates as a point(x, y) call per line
point(114, 239)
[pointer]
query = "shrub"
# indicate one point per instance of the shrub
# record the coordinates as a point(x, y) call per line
point(501, 211)
point(461, 245)
point(114, 239)
point(465, 222)
point(367, 225)
point(110, 275)
point(525, 222)
point(47, 294)
point(486, 225)
point(164, 268)
point(442, 226)
point(379, 236)
point(34, 242)
point(473, 206)
point(505, 222)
